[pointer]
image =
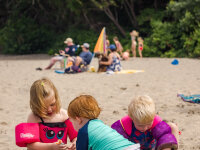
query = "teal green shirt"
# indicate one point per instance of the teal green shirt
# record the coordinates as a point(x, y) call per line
point(95, 135)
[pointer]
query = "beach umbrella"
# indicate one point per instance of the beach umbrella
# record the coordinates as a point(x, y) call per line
point(100, 46)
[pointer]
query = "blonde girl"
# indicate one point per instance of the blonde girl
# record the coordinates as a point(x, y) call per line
point(140, 46)
point(53, 121)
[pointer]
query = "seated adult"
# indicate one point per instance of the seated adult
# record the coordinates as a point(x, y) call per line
point(84, 59)
point(69, 51)
point(113, 63)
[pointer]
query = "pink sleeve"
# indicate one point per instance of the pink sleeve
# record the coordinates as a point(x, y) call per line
point(156, 120)
point(70, 130)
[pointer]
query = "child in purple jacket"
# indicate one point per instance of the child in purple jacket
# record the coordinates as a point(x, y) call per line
point(143, 126)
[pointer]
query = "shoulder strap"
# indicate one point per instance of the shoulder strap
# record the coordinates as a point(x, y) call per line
point(126, 123)
point(42, 120)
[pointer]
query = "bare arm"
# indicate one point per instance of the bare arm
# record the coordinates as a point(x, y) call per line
point(109, 62)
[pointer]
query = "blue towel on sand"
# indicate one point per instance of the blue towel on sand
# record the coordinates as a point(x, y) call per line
point(191, 98)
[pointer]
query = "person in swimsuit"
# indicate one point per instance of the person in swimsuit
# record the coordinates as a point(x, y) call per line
point(53, 121)
point(118, 45)
point(133, 35)
point(113, 62)
point(140, 46)
point(93, 134)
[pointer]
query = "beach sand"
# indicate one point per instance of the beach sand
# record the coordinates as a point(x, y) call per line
point(161, 80)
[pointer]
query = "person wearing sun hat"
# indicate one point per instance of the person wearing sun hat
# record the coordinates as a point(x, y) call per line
point(69, 51)
point(84, 58)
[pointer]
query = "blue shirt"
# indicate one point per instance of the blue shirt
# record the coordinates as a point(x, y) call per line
point(95, 135)
point(86, 56)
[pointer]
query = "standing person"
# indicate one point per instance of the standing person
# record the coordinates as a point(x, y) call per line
point(140, 46)
point(93, 134)
point(84, 58)
point(107, 45)
point(133, 35)
point(113, 63)
point(53, 121)
point(69, 51)
point(118, 45)
point(143, 126)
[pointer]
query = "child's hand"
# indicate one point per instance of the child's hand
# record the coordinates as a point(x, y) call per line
point(55, 146)
point(72, 146)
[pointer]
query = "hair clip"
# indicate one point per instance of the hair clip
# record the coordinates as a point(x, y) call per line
point(42, 83)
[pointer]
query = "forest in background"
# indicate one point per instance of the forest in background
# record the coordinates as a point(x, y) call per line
point(170, 28)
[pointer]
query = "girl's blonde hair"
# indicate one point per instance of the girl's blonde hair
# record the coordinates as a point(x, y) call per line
point(115, 38)
point(142, 109)
point(140, 39)
point(40, 90)
point(84, 106)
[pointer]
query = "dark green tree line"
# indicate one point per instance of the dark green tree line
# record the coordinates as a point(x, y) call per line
point(169, 28)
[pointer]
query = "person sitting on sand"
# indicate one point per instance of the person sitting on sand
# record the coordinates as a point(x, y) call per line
point(93, 134)
point(125, 55)
point(46, 110)
point(113, 63)
point(143, 126)
point(83, 59)
point(69, 51)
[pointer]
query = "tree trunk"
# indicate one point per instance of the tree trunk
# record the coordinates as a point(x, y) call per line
point(87, 20)
point(110, 15)
point(155, 4)
point(129, 7)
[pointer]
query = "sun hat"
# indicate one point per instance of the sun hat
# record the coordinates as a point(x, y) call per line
point(112, 47)
point(86, 45)
point(68, 40)
point(134, 33)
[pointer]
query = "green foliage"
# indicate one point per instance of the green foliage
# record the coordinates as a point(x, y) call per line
point(161, 40)
point(79, 37)
point(24, 37)
point(29, 27)
point(144, 19)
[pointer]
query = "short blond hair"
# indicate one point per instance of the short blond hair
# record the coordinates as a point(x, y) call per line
point(84, 106)
point(115, 38)
point(142, 109)
point(40, 90)
point(140, 39)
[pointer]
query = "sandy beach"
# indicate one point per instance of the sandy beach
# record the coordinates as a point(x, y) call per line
point(160, 80)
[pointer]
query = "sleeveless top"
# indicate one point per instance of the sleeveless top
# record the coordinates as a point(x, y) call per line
point(54, 131)
point(115, 65)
